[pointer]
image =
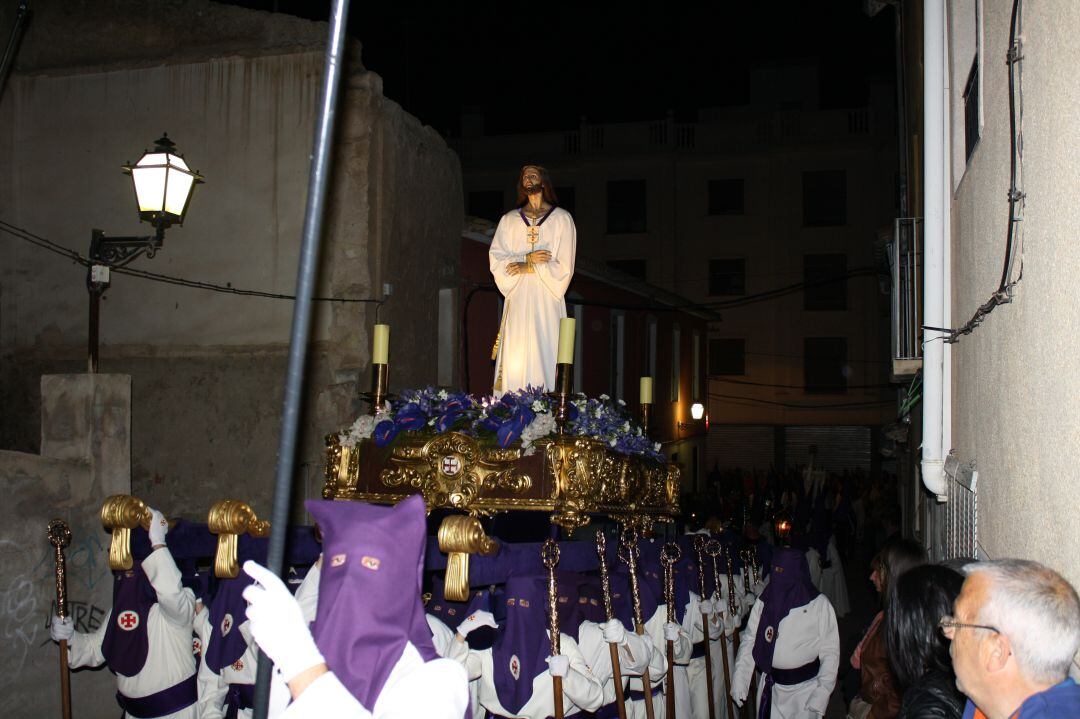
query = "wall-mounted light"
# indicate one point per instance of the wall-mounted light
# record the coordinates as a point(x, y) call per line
point(697, 412)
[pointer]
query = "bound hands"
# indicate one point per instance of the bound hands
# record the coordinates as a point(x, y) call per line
point(536, 257)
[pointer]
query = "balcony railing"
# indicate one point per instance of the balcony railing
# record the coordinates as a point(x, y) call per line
point(905, 258)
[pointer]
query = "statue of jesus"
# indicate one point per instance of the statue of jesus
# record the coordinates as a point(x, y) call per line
point(532, 260)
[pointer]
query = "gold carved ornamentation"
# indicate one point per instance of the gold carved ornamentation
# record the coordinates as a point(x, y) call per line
point(228, 519)
point(120, 514)
point(570, 477)
point(459, 536)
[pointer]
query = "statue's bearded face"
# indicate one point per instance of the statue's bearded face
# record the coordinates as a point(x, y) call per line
point(530, 181)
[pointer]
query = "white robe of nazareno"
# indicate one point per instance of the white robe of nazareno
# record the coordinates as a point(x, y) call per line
point(582, 690)
point(833, 584)
point(169, 624)
point(534, 304)
point(435, 690)
point(635, 653)
point(807, 633)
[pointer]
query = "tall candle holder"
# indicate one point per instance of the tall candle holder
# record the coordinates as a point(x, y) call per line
point(646, 416)
point(380, 386)
point(564, 382)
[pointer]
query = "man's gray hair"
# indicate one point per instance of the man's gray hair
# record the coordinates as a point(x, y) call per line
point(1037, 610)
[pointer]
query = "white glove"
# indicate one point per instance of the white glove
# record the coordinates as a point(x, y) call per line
point(558, 665)
point(61, 630)
point(158, 528)
point(671, 631)
point(730, 623)
point(277, 623)
point(759, 587)
point(476, 620)
point(705, 606)
point(737, 700)
point(614, 631)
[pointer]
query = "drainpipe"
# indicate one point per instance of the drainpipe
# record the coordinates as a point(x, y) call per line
point(935, 100)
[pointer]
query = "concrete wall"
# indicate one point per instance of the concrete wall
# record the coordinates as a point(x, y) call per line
point(85, 457)
point(1016, 379)
point(207, 367)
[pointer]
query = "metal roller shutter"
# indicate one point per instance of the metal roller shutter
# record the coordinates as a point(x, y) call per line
point(738, 445)
point(838, 448)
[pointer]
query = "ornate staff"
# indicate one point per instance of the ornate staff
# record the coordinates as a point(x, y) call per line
point(713, 550)
point(60, 537)
point(629, 542)
point(549, 553)
point(734, 613)
point(605, 582)
point(699, 547)
point(669, 555)
point(745, 554)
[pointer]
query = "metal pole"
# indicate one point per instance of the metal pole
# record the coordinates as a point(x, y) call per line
point(318, 185)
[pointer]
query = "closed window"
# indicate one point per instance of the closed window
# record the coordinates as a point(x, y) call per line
point(626, 202)
point(825, 365)
point(971, 110)
point(825, 278)
point(727, 277)
point(727, 356)
point(824, 198)
point(726, 197)
point(486, 204)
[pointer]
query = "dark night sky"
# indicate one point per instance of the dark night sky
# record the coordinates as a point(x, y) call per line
point(543, 65)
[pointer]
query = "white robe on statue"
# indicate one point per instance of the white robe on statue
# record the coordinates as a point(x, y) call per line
point(807, 633)
point(529, 330)
point(169, 623)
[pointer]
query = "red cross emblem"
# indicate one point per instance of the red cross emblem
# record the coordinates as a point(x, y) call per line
point(238, 665)
point(451, 465)
point(196, 647)
point(769, 634)
point(515, 667)
point(226, 625)
point(128, 620)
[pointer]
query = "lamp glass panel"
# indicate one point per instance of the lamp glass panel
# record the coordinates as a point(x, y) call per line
point(177, 161)
point(176, 192)
point(697, 410)
point(149, 187)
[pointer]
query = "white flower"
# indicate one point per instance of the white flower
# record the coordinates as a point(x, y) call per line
point(626, 426)
point(622, 403)
point(656, 446)
point(529, 451)
point(431, 422)
point(537, 406)
point(443, 394)
point(542, 425)
point(604, 397)
point(612, 442)
point(360, 429)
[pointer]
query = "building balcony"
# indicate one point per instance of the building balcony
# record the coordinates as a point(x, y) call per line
point(905, 261)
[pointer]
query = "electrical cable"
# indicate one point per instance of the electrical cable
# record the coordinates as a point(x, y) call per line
point(74, 256)
point(1003, 294)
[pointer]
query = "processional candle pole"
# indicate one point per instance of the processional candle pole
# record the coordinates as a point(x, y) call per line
point(564, 373)
point(380, 367)
point(646, 403)
point(60, 537)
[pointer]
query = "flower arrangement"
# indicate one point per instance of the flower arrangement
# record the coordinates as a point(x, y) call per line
point(524, 416)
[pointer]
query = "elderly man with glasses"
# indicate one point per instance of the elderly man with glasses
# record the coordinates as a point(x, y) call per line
point(1014, 631)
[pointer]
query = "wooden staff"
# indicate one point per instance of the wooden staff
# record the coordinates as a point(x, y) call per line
point(549, 552)
point(605, 583)
point(669, 555)
point(630, 547)
point(699, 547)
point(60, 537)
point(713, 550)
point(735, 638)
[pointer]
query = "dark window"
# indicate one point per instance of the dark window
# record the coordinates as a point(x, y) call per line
point(727, 277)
point(626, 201)
point(825, 365)
point(824, 197)
point(566, 198)
point(727, 356)
point(971, 110)
point(826, 282)
point(486, 204)
point(634, 268)
point(726, 197)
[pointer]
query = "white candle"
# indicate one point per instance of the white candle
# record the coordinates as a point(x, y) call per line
point(646, 390)
point(380, 352)
point(566, 341)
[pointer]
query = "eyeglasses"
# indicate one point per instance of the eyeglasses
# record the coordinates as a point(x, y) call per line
point(947, 624)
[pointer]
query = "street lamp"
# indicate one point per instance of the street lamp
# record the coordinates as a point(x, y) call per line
point(163, 187)
point(697, 411)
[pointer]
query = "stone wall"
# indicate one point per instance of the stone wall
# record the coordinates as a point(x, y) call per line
point(208, 367)
point(85, 437)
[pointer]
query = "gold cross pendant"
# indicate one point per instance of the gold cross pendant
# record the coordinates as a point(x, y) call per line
point(534, 235)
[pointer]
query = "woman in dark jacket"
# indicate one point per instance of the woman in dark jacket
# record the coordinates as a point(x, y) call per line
point(918, 651)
